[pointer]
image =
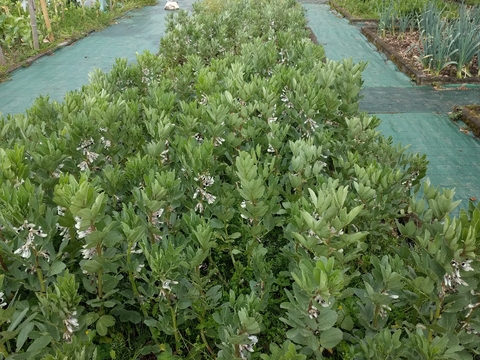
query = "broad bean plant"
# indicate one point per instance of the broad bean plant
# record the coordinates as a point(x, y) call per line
point(227, 200)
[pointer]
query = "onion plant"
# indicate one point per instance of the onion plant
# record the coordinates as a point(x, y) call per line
point(467, 39)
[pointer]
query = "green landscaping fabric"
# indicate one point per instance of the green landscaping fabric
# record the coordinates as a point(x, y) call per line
point(453, 156)
point(342, 40)
point(68, 68)
point(415, 116)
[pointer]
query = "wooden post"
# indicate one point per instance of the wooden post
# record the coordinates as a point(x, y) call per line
point(47, 20)
point(33, 23)
point(2, 58)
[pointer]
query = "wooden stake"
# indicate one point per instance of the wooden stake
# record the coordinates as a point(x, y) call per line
point(33, 23)
point(47, 20)
point(2, 58)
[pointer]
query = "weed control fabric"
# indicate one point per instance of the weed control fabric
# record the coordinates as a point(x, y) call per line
point(411, 115)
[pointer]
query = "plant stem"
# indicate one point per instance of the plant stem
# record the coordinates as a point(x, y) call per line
point(4, 266)
point(99, 274)
point(375, 316)
point(134, 284)
point(72, 233)
point(204, 339)
point(41, 279)
point(174, 324)
point(436, 317)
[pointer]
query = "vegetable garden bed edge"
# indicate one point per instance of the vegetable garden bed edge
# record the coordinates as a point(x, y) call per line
point(470, 115)
point(407, 68)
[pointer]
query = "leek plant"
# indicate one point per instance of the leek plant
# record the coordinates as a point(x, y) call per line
point(388, 19)
point(438, 40)
point(466, 28)
point(404, 22)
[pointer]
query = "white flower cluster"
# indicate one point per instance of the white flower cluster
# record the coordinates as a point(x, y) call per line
point(63, 232)
point(156, 216)
point(58, 171)
point(450, 281)
point(166, 288)
point(88, 252)
point(203, 100)
point(471, 308)
point(25, 250)
point(90, 155)
point(248, 348)
point(205, 181)
point(2, 300)
point(270, 148)
point(313, 310)
point(312, 124)
point(218, 141)
point(164, 154)
point(335, 232)
point(243, 205)
point(284, 98)
point(146, 79)
point(198, 137)
point(71, 324)
point(384, 308)
point(82, 233)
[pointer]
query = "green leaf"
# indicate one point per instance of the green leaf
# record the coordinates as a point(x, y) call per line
point(17, 320)
point(56, 268)
point(92, 266)
point(23, 335)
point(109, 304)
point(216, 224)
point(326, 319)
point(39, 343)
point(330, 338)
point(104, 323)
point(150, 322)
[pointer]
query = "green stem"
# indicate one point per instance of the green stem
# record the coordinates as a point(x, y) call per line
point(437, 316)
point(174, 324)
point(131, 277)
point(375, 316)
point(204, 339)
point(72, 233)
point(41, 279)
point(2, 262)
point(99, 274)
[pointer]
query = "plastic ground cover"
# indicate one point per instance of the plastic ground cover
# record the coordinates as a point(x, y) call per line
point(68, 68)
point(411, 115)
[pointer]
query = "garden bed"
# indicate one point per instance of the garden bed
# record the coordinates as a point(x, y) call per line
point(404, 53)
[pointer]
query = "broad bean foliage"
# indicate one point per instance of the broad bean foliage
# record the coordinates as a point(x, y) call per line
point(231, 206)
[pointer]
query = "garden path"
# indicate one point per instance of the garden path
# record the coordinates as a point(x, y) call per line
point(410, 114)
point(68, 68)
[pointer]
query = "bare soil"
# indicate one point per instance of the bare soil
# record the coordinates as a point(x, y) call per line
point(409, 46)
